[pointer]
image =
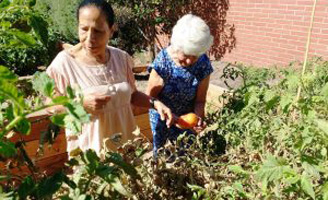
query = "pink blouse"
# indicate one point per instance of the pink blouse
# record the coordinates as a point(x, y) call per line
point(113, 125)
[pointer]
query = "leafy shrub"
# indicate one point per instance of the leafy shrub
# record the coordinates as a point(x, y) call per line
point(136, 21)
point(61, 16)
point(25, 42)
point(284, 135)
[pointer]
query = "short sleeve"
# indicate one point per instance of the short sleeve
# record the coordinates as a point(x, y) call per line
point(159, 65)
point(53, 72)
point(130, 75)
point(204, 67)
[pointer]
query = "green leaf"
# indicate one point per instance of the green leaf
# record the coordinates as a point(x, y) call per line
point(4, 3)
point(9, 113)
point(323, 125)
point(1, 117)
point(273, 169)
point(7, 149)
point(6, 196)
point(31, 3)
point(140, 151)
point(72, 124)
point(237, 170)
point(39, 25)
point(7, 75)
point(293, 81)
point(9, 91)
point(270, 98)
point(5, 25)
point(103, 171)
point(24, 38)
point(285, 101)
point(60, 100)
point(311, 170)
point(239, 188)
point(42, 83)
point(251, 98)
point(324, 191)
point(70, 92)
point(117, 185)
point(323, 152)
point(324, 91)
point(26, 187)
point(24, 126)
point(198, 192)
point(77, 111)
point(58, 119)
point(48, 186)
point(293, 179)
point(91, 159)
point(69, 182)
point(3, 178)
point(307, 186)
point(118, 160)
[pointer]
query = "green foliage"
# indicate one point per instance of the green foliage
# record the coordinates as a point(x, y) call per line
point(61, 15)
point(136, 20)
point(96, 178)
point(14, 111)
point(264, 117)
point(25, 42)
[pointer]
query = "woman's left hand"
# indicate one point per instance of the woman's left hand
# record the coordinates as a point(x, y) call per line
point(201, 125)
point(164, 112)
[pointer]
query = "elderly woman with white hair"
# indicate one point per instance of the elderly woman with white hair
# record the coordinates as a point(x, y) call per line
point(180, 77)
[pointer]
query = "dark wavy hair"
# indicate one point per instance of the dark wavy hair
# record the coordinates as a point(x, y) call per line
point(102, 5)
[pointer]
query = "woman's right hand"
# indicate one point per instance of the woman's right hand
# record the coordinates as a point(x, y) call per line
point(94, 102)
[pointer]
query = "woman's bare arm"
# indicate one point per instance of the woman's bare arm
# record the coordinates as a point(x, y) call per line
point(155, 84)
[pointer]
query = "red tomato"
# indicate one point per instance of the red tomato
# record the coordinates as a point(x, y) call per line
point(187, 121)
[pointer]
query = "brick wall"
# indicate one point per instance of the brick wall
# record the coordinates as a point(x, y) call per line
point(274, 32)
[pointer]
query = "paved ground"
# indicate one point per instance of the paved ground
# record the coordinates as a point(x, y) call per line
point(216, 80)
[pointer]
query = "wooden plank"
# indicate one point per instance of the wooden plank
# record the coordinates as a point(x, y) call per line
point(147, 133)
point(142, 121)
point(39, 123)
point(48, 165)
point(52, 164)
point(140, 68)
point(139, 110)
point(58, 147)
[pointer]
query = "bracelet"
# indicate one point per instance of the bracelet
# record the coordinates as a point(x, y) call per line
point(152, 102)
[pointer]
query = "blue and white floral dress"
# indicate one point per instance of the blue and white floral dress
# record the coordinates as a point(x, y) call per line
point(178, 93)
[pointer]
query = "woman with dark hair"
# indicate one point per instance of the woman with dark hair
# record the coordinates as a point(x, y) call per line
point(104, 74)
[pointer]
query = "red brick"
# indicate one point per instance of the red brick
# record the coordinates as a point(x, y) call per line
point(305, 3)
point(275, 31)
point(286, 2)
point(298, 23)
point(291, 7)
point(284, 22)
point(278, 6)
point(301, 34)
point(276, 16)
point(303, 13)
point(255, 1)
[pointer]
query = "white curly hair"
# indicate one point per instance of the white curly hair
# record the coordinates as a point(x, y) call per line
point(191, 35)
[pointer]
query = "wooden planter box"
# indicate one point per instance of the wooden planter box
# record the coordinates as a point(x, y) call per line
point(54, 157)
